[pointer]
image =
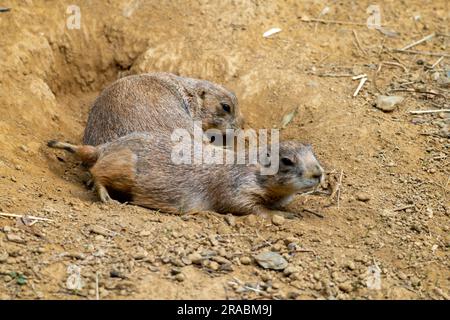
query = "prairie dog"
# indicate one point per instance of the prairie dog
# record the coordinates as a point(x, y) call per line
point(140, 166)
point(160, 102)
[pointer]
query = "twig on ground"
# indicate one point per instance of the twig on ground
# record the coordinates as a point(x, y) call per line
point(404, 207)
point(425, 53)
point(359, 43)
point(334, 75)
point(437, 62)
point(226, 292)
point(429, 111)
point(323, 59)
point(313, 212)
point(360, 85)
point(418, 41)
point(339, 188)
point(393, 57)
point(97, 295)
point(252, 289)
point(305, 250)
point(359, 76)
point(430, 134)
point(390, 63)
point(375, 75)
point(333, 22)
point(12, 215)
point(418, 91)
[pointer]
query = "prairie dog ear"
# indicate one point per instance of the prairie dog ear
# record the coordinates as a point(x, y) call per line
point(201, 92)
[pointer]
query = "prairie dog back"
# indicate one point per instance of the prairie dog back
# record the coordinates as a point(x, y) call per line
point(159, 102)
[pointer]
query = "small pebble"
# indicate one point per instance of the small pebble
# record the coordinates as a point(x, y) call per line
point(76, 255)
point(213, 240)
point(231, 220)
point(116, 274)
point(140, 254)
point(362, 196)
point(388, 103)
point(226, 267)
point(435, 76)
point(222, 252)
point(276, 285)
point(293, 294)
point(266, 277)
point(317, 276)
point(186, 260)
point(289, 240)
point(317, 286)
point(14, 238)
point(196, 258)
point(346, 287)
point(289, 270)
point(177, 262)
point(220, 260)
point(402, 276)
point(350, 265)
point(101, 231)
point(99, 237)
point(214, 266)
point(245, 260)
point(251, 220)
point(277, 220)
point(41, 250)
point(180, 277)
point(292, 246)
point(175, 271)
point(3, 257)
point(415, 281)
point(145, 233)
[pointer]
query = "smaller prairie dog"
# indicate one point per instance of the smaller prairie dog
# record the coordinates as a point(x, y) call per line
point(160, 102)
point(140, 166)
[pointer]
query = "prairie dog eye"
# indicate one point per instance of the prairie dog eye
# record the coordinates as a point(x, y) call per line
point(226, 107)
point(287, 162)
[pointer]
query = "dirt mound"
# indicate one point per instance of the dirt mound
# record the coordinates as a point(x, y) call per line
point(384, 233)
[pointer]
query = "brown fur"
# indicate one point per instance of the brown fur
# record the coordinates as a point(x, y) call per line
point(159, 102)
point(116, 171)
point(87, 154)
point(141, 165)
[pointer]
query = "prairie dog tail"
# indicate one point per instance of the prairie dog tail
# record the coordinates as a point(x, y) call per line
point(87, 154)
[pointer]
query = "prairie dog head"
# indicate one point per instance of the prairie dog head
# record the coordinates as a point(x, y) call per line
point(219, 108)
point(298, 169)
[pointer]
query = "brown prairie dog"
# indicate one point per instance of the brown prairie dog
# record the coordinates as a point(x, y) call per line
point(160, 102)
point(140, 166)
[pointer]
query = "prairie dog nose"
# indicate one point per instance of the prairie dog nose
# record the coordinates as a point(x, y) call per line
point(317, 173)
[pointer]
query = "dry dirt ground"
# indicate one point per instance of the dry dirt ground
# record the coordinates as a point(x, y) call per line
point(383, 235)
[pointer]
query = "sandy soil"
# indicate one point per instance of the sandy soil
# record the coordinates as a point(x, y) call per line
point(392, 216)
